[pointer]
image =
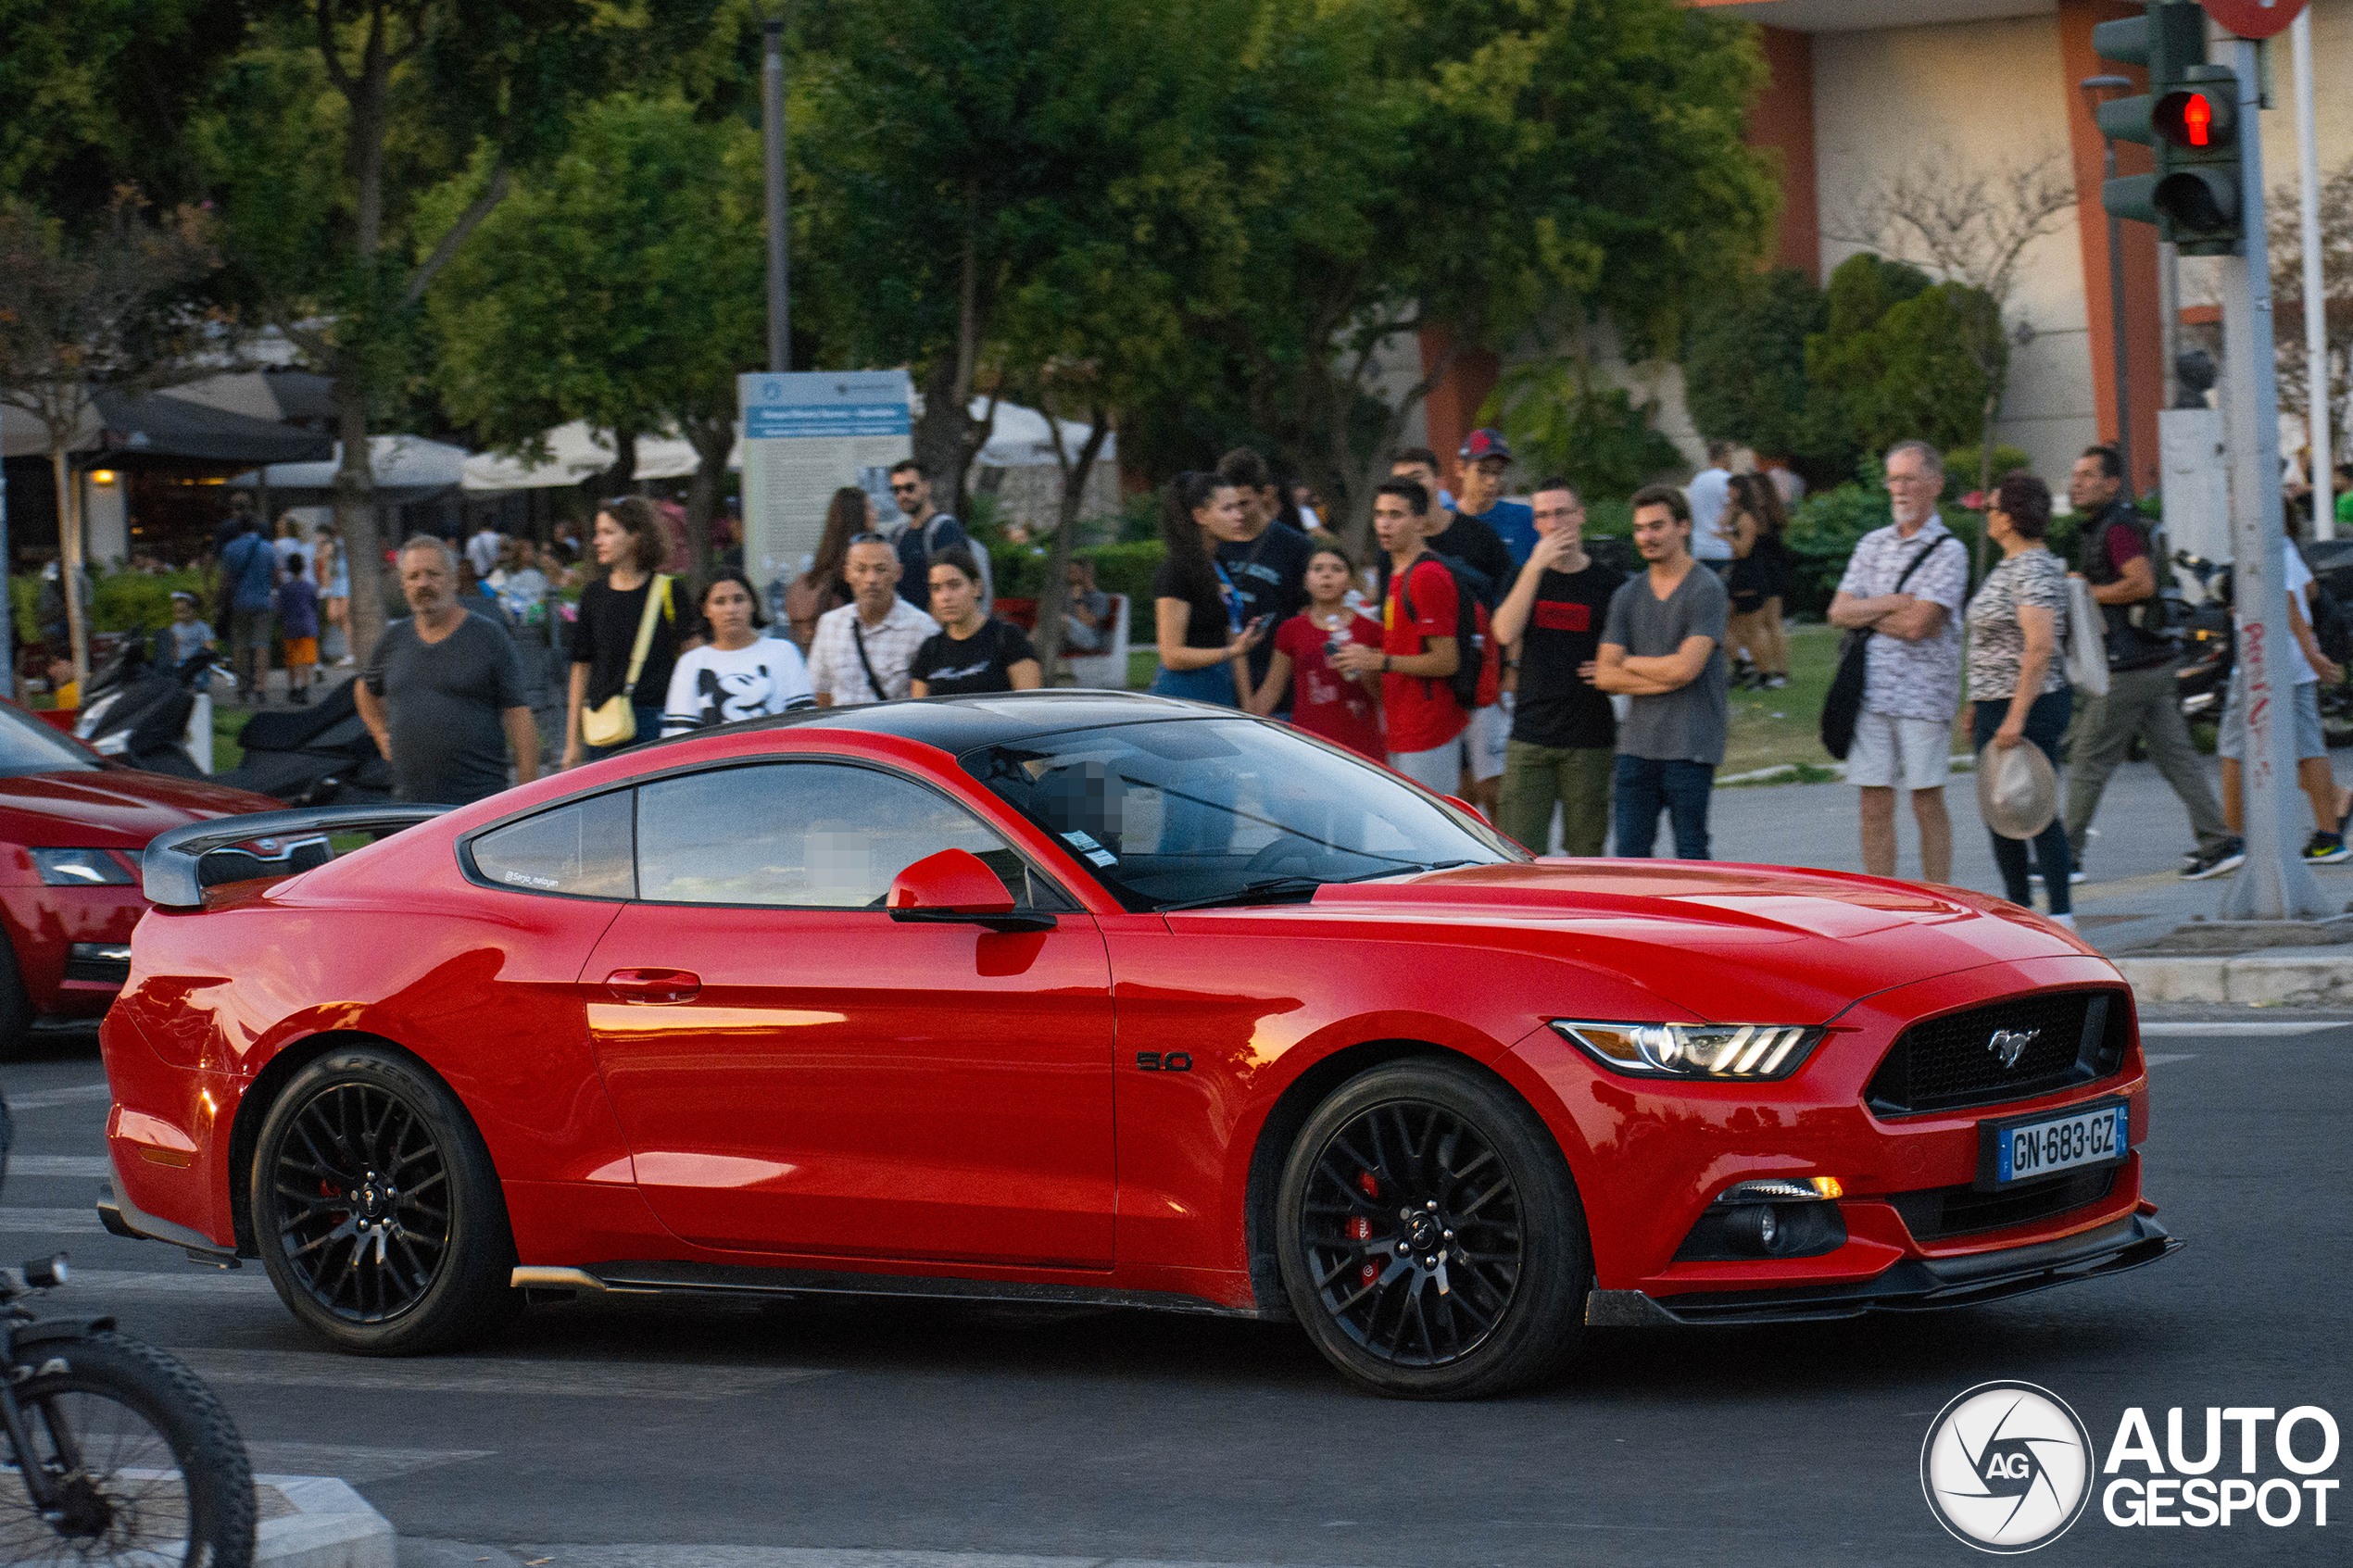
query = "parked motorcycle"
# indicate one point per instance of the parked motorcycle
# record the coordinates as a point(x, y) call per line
point(136, 711)
point(2209, 647)
point(316, 756)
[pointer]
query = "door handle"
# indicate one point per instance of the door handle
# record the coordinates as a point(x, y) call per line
point(653, 984)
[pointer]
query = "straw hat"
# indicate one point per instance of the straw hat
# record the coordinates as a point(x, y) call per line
point(2016, 790)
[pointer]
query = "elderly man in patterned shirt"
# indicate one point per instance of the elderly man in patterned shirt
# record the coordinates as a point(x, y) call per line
point(862, 650)
point(1905, 583)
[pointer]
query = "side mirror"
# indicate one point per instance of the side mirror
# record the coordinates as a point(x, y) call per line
point(955, 888)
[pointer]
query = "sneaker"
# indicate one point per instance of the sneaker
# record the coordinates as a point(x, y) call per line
point(2327, 850)
point(2075, 878)
point(2228, 857)
point(1774, 682)
point(2066, 921)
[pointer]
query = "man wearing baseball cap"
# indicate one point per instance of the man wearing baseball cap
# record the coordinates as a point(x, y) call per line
point(1487, 456)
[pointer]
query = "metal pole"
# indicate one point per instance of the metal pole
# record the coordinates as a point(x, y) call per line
point(7, 629)
point(2274, 883)
point(2169, 310)
point(772, 125)
point(2116, 332)
point(2318, 426)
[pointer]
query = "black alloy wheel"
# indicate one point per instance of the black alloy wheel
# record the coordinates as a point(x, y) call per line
point(376, 1210)
point(1430, 1236)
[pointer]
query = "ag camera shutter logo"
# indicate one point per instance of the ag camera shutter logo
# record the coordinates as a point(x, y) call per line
point(2007, 1467)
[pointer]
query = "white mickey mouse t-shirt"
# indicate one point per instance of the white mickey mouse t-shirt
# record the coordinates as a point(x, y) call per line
point(712, 685)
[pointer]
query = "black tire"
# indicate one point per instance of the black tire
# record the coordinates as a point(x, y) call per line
point(15, 1008)
point(376, 1209)
point(1427, 1145)
point(160, 1460)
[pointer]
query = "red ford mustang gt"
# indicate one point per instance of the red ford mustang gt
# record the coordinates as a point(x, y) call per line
point(1076, 997)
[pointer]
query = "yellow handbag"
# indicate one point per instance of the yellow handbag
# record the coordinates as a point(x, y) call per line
point(614, 720)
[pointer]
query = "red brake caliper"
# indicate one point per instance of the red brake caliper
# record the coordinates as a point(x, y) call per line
point(1361, 1229)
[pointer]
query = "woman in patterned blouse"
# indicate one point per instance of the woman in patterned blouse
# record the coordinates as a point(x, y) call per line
point(2018, 692)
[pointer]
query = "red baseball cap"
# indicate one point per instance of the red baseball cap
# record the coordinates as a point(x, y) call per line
point(1482, 444)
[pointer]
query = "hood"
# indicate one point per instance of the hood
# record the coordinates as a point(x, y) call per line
point(1697, 935)
point(112, 808)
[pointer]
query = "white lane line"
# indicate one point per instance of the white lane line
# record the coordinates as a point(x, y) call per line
point(45, 1099)
point(61, 1165)
point(2163, 1056)
point(471, 1374)
point(2175, 1029)
point(349, 1463)
point(674, 1556)
point(50, 1221)
point(97, 1286)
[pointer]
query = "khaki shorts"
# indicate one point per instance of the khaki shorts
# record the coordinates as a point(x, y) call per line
point(1916, 753)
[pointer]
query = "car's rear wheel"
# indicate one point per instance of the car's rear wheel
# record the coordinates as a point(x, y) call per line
point(1430, 1234)
point(376, 1209)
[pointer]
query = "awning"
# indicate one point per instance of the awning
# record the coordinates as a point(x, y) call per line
point(577, 453)
point(398, 462)
point(132, 429)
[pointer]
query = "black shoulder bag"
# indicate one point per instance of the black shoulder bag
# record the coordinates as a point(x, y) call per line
point(872, 679)
point(1844, 703)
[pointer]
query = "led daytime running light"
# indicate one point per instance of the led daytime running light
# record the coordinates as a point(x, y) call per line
point(1748, 1052)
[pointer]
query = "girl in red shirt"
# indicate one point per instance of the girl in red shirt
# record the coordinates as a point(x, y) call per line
point(1344, 709)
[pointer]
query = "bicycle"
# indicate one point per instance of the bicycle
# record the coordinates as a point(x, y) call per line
point(114, 1451)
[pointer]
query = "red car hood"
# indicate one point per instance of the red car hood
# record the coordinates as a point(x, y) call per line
point(1713, 936)
point(112, 808)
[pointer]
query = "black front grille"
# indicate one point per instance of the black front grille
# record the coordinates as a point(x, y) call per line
point(1945, 1064)
point(1934, 1213)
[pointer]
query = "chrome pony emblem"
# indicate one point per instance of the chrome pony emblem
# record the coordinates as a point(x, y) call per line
point(2010, 1044)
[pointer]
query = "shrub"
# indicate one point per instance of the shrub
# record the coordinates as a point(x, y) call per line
point(1128, 569)
point(1563, 419)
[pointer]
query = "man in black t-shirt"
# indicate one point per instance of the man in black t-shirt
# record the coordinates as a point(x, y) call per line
point(1563, 731)
point(1466, 540)
point(1266, 561)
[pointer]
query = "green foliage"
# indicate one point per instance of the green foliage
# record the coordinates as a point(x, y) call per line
point(1898, 355)
point(1824, 530)
point(121, 601)
point(1960, 466)
point(1563, 420)
point(1744, 377)
point(1128, 569)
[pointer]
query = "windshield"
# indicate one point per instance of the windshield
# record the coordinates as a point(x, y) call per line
point(1194, 810)
point(28, 745)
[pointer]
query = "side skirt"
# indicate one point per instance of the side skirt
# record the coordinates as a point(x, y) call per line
point(644, 1279)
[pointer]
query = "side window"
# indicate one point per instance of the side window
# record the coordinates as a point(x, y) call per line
point(582, 848)
point(800, 834)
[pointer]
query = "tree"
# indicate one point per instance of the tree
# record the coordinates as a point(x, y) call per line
point(1898, 356)
point(1563, 420)
point(1972, 227)
point(622, 286)
point(103, 307)
point(1480, 171)
point(1745, 376)
point(2337, 288)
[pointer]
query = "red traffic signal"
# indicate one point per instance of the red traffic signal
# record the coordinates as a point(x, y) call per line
point(2190, 117)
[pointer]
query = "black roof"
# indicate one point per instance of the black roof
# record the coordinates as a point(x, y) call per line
point(958, 724)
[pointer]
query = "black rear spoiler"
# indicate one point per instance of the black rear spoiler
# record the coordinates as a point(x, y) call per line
point(170, 871)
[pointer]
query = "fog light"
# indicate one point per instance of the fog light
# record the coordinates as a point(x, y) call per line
point(1753, 1228)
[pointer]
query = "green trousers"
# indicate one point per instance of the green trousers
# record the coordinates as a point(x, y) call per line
point(1536, 776)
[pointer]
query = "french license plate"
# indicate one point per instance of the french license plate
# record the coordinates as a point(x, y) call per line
point(2030, 1148)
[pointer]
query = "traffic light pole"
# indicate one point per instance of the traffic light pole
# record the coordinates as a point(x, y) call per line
point(2274, 882)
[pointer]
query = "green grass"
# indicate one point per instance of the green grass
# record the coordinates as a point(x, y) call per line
point(1771, 729)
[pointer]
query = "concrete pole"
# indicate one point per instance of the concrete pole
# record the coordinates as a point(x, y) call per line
point(2318, 426)
point(772, 125)
point(2274, 883)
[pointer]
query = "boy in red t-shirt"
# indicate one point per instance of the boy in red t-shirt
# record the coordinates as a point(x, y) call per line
point(1419, 650)
point(1339, 708)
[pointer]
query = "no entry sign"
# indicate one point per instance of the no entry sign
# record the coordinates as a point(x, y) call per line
point(2253, 18)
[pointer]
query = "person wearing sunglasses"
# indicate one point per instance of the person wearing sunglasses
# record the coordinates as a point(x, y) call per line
point(925, 531)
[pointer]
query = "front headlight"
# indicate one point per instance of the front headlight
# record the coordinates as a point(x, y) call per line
point(79, 868)
point(1743, 1052)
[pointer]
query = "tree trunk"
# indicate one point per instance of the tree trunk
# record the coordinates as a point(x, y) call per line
point(624, 472)
point(69, 556)
point(1054, 599)
point(711, 439)
point(354, 504)
point(947, 438)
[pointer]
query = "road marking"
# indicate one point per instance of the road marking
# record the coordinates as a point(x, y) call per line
point(95, 1285)
point(674, 1556)
point(2164, 1056)
point(46, 1100)
point(348, 1464)
point(50, 1221)
point(61, 1165)
point(485, 1375)
point(2174, 1029)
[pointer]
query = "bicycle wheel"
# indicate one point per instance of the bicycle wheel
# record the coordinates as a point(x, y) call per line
point(150, 1469)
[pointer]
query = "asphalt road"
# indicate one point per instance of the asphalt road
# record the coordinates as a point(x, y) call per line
point(805, 1435)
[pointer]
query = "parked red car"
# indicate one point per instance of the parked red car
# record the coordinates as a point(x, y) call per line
point(1084, 997)
point(72, 826)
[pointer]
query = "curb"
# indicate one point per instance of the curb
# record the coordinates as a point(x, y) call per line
point(331, 1526)
point(2249, 981)
point(1787, 772)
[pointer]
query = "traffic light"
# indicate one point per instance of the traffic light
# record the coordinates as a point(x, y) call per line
point(2189, 117)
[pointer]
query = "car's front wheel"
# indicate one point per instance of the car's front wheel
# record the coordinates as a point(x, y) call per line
point(376, 1209)
point(1430, 1234)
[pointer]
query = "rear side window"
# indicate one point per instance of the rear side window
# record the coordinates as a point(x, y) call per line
point(586, 850)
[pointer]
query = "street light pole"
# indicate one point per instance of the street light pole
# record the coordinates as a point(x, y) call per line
point(772, 126)
point(2092, 88)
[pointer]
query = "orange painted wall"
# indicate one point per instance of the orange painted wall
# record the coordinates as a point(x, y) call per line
point(2143, 338)
point(1452, 409)
point(1782, 118)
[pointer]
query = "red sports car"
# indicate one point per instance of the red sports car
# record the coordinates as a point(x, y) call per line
point(1076, 996)
point(72, 826)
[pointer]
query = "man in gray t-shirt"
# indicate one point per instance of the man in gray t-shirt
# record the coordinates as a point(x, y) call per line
point(443, 693)
point(1663, 648)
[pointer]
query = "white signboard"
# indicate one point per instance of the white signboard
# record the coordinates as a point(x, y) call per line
point(805, 435)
